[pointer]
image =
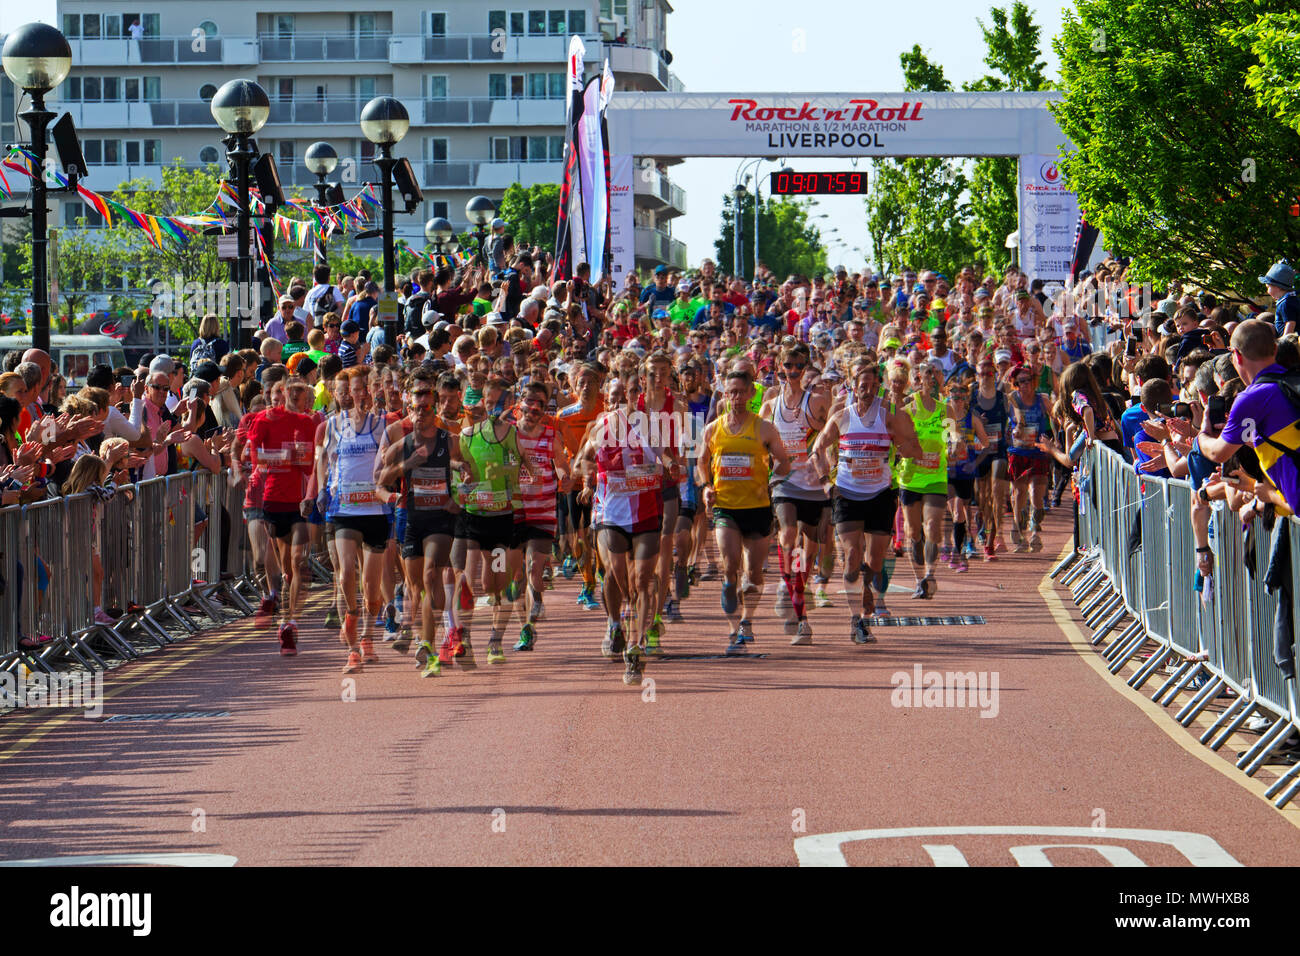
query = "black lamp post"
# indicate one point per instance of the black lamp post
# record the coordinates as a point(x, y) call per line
point(241, 108)
point(37, 58)
point(320, 160)
point(384, 121)
point(479, 211)
point(735, 258)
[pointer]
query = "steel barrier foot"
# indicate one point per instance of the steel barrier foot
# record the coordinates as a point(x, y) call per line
point(319, 571)
point(1226, 715)
point(231, 590)
point(1131, 633)
point(1182, 684)
point(1110, 624)
point(1241, 718)
point(1294, 776)
point(1143, 674)
point(1254, 758)
point(1086, 584)
point(151, 629)
point(1172, 679)
point(205, 605)
point(1075, 573)
point(75, 648)
point(34, 662)
point(1199, 702)
point(1124, 635)
point(115, 641)
point(1065, 563)
point(180, 616)
point(1102, 595)
point(1127, 653)
point(1099, 611)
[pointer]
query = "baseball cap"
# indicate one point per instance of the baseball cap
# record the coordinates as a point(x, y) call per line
point(349, 327)
point(286, 298)
point(207, 371)
point(498, 223)
point(892, 344)
point(659, 314)
point(430, 318)
point(1001, 355)
point(162, 363)
point(683, 286)
point(661, 270)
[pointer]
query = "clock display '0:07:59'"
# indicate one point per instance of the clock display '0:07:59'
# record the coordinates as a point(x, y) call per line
point(789, 183)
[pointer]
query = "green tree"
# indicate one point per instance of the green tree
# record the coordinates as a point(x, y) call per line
point(787, 242)
point(1013, 50)
point(916, 207)
point(1174, 158)
point(530, 213)
point(1274, 40)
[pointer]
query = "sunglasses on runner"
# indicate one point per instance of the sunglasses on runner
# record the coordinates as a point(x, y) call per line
point(795, 366)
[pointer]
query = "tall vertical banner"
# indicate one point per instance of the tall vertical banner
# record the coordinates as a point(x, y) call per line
point(600, 217)
point(591, 179)
point(622, 251)
point(570, 186)
point(1049, 216)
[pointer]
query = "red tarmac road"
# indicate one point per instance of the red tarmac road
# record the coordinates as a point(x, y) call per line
point(550, 759)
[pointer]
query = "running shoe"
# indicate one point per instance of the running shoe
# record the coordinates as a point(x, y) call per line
point(101, 617)
point(390, 621)
point(568, 568)
point(332, 617)
point(861, 633)
point(423, 653)
point(746, 632)
point(960, 564)
point(446, 651)
point(538, 612)
point(730, 598)
point(348, 632)
point(802, 634)
point(353, 666)
point(945, 554)
point(747, 586)
point(432, 666)
point(653, 631)
point(399, 598)
point(403, 642)
point(465, 652)
point(1035, 542)
point(672, 611)
point(584, 592)
point(880, 610)
point(527, 635)
point(693, 575)
point(613, 643)
point(737, 645)
point(590, 603)
point(920, 591)
point(682, 581)
point(988, 552)
point(33, 641)
point(634, 665)
point(265, 610)
point(782, 600)
point(999, 546)
point(654, 644)
point(368, 654)
point(821, 598)
point(379, 620)
point(496, 655)
point(930, 585)
point(288, 639)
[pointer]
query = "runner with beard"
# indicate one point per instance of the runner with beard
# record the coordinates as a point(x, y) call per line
point(989, 404)
point(547, 474)
point(420, 462)
point(1027, 465)
point(800, 500)
point(971, 440)
point(689, 534)
point(573, 421)
point(924, 478)
point(663, 411)
point(859, 442)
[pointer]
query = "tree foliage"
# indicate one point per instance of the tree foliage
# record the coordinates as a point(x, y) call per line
point(1174, 158)
point(787, 242)
point(1274, 40)
point(530, 213)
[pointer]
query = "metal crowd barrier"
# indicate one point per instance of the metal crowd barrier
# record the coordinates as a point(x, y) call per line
point(1138, 564)
point(158, 566)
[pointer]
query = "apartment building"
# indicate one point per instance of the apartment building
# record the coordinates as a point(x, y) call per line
point(484, 86)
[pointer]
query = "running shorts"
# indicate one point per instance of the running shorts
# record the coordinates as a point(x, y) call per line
point(1021, 467)
point(750, 522)
point(806, 512)
point(421, 525)
point(876, 513)
point(282, 520)
point(489, 532)
point(374, 529)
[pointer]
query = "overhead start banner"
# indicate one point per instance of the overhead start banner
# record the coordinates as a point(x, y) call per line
point(833, 124)
point(1049, 219)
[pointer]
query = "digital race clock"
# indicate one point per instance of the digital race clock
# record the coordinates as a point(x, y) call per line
point(787, 183)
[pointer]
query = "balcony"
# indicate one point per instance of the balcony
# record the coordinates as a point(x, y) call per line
point(407, 49)
point(179, 50)
point(656, 246)
point(487, 174)
point(323, 47)
point(654, 191)
point(639, 68)
point(483, 111)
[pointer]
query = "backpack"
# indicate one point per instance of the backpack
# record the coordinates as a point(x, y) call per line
point(325, 302)
point(1289, 383)
point(203, 351)
point(415, 306)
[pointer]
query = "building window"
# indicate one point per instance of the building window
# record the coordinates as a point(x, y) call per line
point(112, 89)
point(209, 28)
point(578, 21)
point(90, 26)
point(537, 86)
point(555, 86)
point(555, 148)
point(437, 24)
point(555, 22)
point(90, 89)
point(152, 89)
point(496, 86)
point(436, 87)
point(208, 154)
point(365, 88)
point(437, 149)
point(288, 155)
point(438, 209)
point(516, 23)
point(496, 20)
point(207, 91)
point(284, 88)
point(132, 152)
point(284, 26)
point(131, 89)
point(537, 23)
point(72, 92)
point(153, 152)
point(72, 26)
point(613, 8)
point(366, 24)
point(516, 86)
point(536, 149)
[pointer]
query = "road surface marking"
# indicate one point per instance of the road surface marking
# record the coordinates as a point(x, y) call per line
point(824, 849)
point(131, 859)
point(1036, 855)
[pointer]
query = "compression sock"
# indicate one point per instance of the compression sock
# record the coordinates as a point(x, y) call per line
point(958, 536)
point(797, 594)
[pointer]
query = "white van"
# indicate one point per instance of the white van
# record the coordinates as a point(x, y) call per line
point(73, 355)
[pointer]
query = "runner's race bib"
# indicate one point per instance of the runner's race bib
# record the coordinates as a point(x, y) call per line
point(735, 467)
point(481, 496)
point(273, 459)
point(356, 493)
point(635, 480)
point(429, 487)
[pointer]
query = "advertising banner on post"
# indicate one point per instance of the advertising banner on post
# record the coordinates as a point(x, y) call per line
point(622, 248)
point(1049, 217)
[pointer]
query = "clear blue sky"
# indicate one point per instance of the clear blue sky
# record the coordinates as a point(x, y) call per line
point(749, 47)
point(722, 46)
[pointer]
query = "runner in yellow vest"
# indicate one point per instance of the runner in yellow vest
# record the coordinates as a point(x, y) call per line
point(924, 480)
point(734, 475)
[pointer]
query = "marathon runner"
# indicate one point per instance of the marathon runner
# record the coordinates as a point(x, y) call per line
point(923, 478)
point(572, 422)
point(535, 524)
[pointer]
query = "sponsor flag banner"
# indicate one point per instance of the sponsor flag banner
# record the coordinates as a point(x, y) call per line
point(622, 251)
point(570, 188)
point(1049, 214)
point(591, 172)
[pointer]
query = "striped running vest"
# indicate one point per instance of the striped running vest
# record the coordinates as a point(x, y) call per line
point(864, 469)
point(537, 489)
point(798, 437)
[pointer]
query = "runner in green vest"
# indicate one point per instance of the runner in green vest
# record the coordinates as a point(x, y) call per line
point(924, 480)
